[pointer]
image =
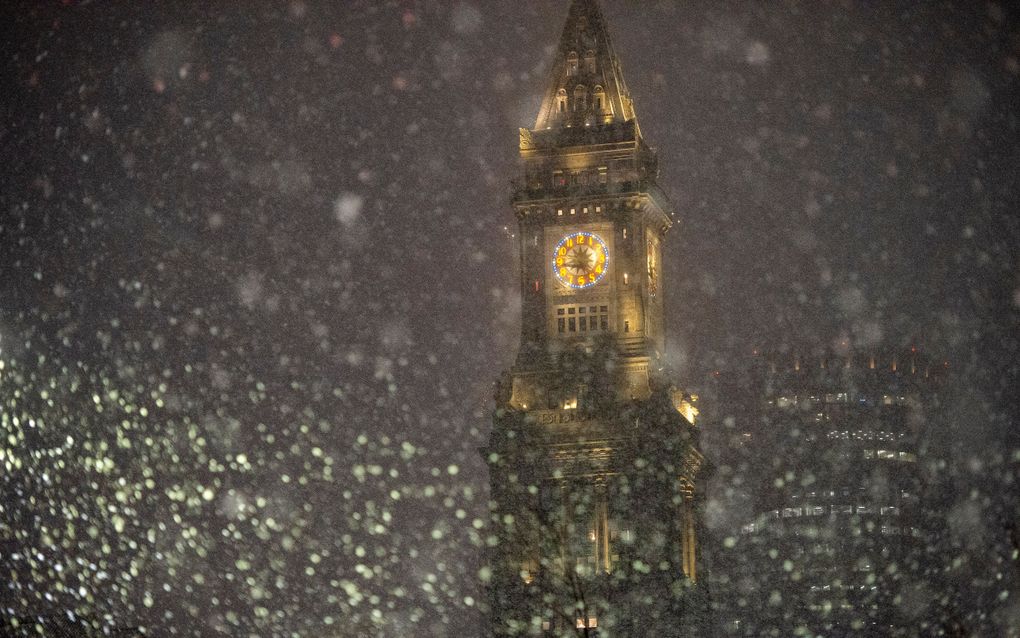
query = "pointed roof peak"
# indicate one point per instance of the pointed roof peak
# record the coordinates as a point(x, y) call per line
point(586, 86)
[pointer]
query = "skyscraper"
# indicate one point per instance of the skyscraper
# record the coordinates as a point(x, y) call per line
point(835, 532)
point(593, 454)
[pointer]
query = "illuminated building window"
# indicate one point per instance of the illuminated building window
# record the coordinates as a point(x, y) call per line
point(625, 232)
point(573, 211)
point(600, 99)
point(626, 279)
point(561, 101)
point(538, 285)
point(626, 326)
point(603, 179)
point(573, 319)
point(559, 179)
point(572, 63)
point(589, 61)
point(598, 209)
point(559, 212)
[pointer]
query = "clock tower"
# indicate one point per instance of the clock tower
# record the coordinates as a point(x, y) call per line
point(593, 454)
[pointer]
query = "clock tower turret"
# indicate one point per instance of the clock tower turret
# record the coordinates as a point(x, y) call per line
point(593, 454)
point(592, 220)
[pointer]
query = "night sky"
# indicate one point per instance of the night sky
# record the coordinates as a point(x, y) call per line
point(256, 279)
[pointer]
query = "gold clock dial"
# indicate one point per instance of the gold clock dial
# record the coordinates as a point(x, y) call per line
point(581, 260)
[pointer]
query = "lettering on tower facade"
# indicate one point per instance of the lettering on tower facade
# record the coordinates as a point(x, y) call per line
point(593, 454)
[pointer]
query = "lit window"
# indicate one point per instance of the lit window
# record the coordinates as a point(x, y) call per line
point(626, 326)
point(603, 176)
point(572, 61)
point(626, 279)
point(587, 318)
point(589, 61)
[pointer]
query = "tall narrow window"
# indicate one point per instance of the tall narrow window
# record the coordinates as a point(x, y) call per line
point(580, 98)
point(561, 100)
point(626, 326)
point(572, 64)
point(589, 61)
point(626, 278)
point(600, 100)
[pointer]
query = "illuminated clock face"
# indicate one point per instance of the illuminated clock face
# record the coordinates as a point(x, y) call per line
point(581, 260)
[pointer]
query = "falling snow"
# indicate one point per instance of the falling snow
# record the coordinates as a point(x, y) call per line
point(255, 288)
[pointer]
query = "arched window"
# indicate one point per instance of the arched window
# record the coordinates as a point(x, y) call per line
point(600, 99)
point(572, 64)
point(561, 101)
point(589, 61)
point(580, 98)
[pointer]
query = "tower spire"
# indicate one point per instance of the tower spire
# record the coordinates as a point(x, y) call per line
point(586, 85)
